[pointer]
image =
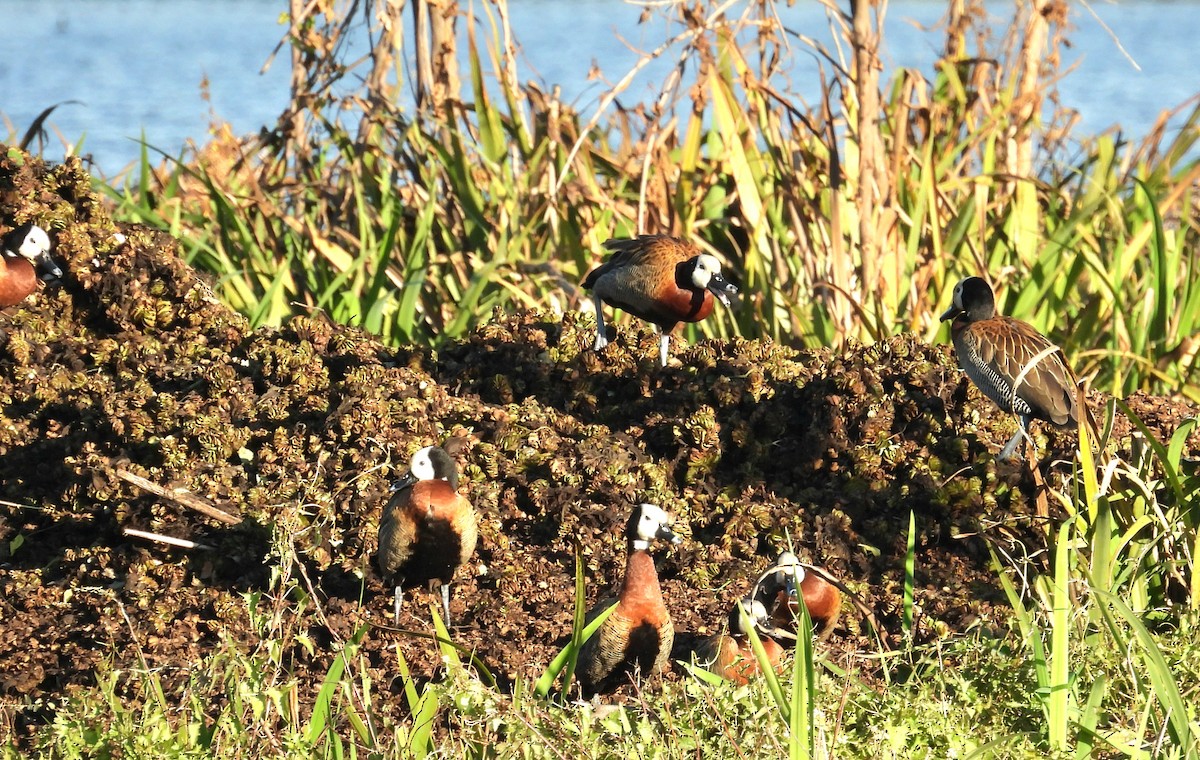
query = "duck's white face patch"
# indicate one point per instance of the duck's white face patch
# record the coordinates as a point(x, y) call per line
point(653, 517)
point(788, 564)
point(706, 266)
point(422, 465)
point(958, 291)
point(754, 610)
point(755, 614)
point(35, 244)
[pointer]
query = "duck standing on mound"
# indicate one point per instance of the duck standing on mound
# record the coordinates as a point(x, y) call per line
point(427, 529)
point(1012, 363)
point(660, 279)
point(638, 635)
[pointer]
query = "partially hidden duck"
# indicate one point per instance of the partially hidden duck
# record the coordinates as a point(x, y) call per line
point(24, 262)
point(730, 655)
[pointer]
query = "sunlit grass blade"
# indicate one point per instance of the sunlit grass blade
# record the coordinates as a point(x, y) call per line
point(802, 736)
point(423, 707)
point(452, 652)
point(565, 661)
point(1058, 690)
point(1089, 718)
point(782, 704)
point(1169, 466)
point(1183, 729)
point(1027, 623)
point(322, 707)
point(910, 558)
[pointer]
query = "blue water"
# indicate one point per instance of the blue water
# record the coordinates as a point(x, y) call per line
point(137, 66)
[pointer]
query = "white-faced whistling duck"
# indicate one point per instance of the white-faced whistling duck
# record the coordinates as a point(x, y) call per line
point(638, 635)
point(1012, 363)
point(729, 654)
point(661, 279)
point(26, 253)
point(785, 582)
point(427, 529)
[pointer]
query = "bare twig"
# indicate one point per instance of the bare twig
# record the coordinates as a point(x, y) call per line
point(860, 606)
point(181, 542)
point(180, 496)
point(1116, 40)
point(17, 505)
point(686, 36)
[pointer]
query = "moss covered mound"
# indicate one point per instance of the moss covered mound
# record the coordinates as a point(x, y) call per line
point(130, 366)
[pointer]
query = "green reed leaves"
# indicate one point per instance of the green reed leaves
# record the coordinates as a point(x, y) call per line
point(415, 224)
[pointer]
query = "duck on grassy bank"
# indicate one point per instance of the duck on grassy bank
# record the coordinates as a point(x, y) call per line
point(729, 654)
point(786, 582)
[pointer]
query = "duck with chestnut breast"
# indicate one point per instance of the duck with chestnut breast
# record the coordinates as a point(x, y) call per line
point(24, 260)
point(637, 637)
point(661, 279)
point(729, 653)
point(427, 529)
point(786, 582)
point(1014, 365)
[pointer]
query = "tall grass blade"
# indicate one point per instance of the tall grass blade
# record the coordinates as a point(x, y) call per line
point(910, 560)
point(1059, 688)
point(333, 678)
point(802, 736)
point(423, 707)
point(1183, 730)
point(1089, 718)
point(565, 661)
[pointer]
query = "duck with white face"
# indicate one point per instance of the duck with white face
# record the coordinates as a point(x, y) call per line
point(636, 638)
point(427, 529)
point(32, 243)
point(25, 262)
point(786, 583)
point(660, 279)
point(730, 654)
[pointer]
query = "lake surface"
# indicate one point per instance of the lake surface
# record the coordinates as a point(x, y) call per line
point(137, 66)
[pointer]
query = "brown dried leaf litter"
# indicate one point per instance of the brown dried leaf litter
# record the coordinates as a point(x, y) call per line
point(132, 365)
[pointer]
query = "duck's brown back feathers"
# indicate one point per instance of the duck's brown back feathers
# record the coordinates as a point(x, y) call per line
point(995, 352)
point(650, 277)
